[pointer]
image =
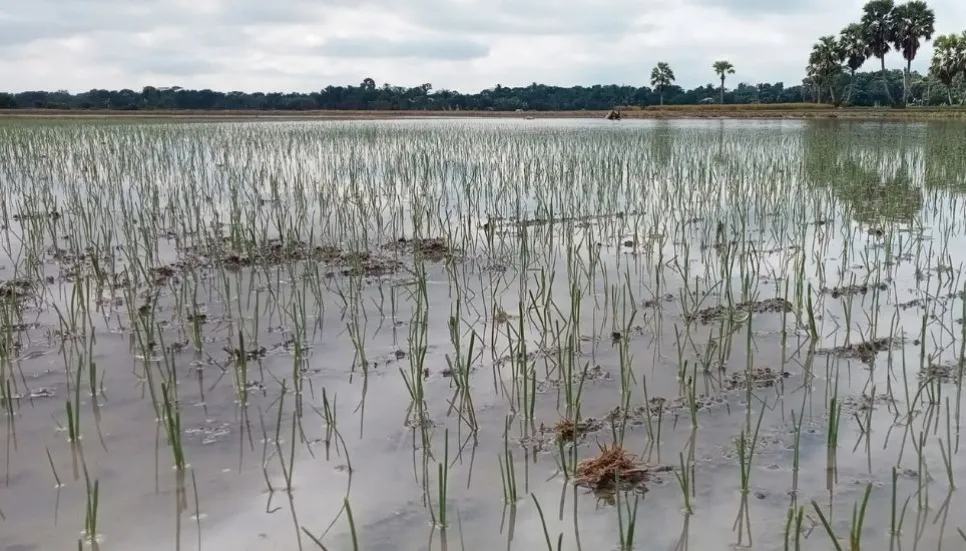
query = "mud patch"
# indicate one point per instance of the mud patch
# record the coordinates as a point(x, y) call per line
point(864, 402)
point(944, 373)
point(852, 290)
point(276, 252)
point(434, 249)
point(864, 351)
point(16, 289)
point(762, 377)
point(595, 373)
point(566, 431)
point(28, 216)
point(658, 407)
point(767, 306)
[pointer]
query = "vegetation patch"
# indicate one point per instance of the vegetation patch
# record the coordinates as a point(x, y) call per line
point(771, 305)
point(434, 249)
point(761, 377)
point(852, 290)
point(865, 351)
point(944, 373)
point(615, 469)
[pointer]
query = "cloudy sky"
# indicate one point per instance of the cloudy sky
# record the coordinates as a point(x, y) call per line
point(467, 45)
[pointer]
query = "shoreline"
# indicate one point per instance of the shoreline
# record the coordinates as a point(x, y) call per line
point(652, 113)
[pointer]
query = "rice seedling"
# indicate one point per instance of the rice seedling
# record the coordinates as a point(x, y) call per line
point(607, 277)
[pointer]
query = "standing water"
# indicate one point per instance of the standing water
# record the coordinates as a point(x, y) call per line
point(480, 334)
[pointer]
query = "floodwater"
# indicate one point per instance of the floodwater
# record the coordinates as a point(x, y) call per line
point(218, 336)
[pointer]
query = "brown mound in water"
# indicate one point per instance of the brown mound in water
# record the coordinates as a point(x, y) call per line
point(852, 290)
point(761, 377)
point(17, 289)
point(945, 373)
point(771, 305)
point(614, 467)
point(567, 430)
point(434, 249)
point(614, 115)
point(864, 351)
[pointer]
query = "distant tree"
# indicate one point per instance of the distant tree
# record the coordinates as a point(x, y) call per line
point(912, 23)
point(661, 77)
point(948, 60)
point(368, 84)
point(722, 68)
point(7, 101)
point(856, 52)
point(824, 64)
point(877, 26)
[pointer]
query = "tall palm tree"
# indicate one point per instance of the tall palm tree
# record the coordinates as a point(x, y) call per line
point(948, 60)
point(723, 68)
point(877, 30)
point(856, 52)
point(661, 77)
point(825, 63)
point(912, 23)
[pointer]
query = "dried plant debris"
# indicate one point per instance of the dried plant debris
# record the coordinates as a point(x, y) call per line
point(434, 249)
point(568, 430)
point(771, 305)
point(27, 216)
point(865, 351)
point(944, 373)
point(852, 290)
point(658, 406)
point(16, 289)
point(614, 469)
point(865, 402)
point(761, 377)
point(591, 374)
point(238, 355)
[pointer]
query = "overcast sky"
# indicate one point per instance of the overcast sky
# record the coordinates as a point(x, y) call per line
point(467, 45)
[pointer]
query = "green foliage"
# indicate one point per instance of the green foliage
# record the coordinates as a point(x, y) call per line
point(866, 91)
point(661, 77)
point(825, 64)
point(884, 26)
point(949, 61)
point(722, 68)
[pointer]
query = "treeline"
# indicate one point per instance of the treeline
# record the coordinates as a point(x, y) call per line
point(866, 90)
point(884, 27)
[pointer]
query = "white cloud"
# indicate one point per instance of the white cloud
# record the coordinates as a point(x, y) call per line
point(467, 45)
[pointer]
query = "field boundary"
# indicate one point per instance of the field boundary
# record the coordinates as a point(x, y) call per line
point(762, 111)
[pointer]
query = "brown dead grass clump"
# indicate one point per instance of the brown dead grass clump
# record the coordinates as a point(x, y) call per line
point(567, 430)
point(434, 249)
point(613, 465)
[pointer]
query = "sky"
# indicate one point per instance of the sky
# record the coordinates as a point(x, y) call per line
point(465, 45)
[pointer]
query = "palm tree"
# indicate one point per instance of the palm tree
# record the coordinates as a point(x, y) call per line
point(825, 63)
point(723, 68)
point(661, 77)
point(877, 30)
point(912, 22)
point(948, 60)
point(856, 52)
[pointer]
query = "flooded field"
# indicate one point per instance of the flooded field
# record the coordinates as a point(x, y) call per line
point(482, 334)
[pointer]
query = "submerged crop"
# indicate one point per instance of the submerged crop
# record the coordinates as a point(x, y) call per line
point(431, 334)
